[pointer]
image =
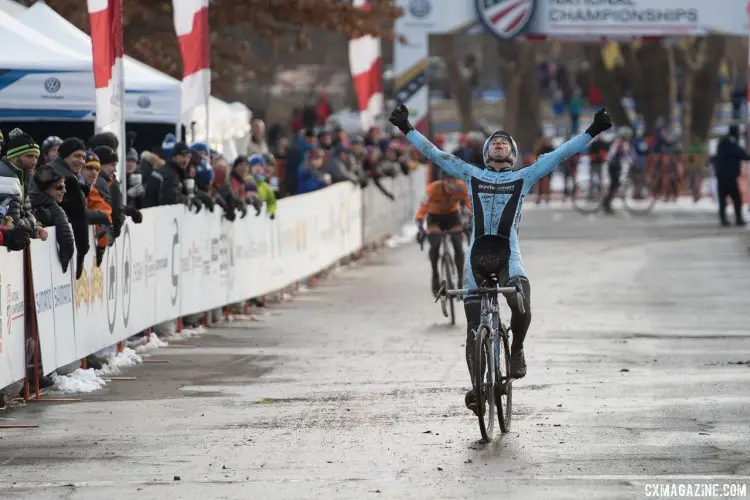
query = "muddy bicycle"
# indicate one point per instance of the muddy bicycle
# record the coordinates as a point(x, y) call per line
point(447, 266)
point(491, 379)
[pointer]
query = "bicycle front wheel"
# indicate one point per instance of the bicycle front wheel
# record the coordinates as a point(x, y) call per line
point(588, 196)
point(503, 383)
point(448, 275)
point(484, 382)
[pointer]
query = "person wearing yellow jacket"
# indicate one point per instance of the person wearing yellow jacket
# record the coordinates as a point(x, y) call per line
point(257, 182)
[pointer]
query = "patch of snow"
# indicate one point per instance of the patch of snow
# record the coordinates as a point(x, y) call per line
point(128, 357)
point(154, 343)
point(79, 381)
point(408, 235)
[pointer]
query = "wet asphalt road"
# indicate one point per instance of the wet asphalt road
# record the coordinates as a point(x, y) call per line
point(355, 389)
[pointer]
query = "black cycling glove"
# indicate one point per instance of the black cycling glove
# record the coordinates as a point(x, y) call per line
point(602, 122)
point(400, 118)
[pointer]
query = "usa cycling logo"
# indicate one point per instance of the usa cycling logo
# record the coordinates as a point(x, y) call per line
point(505, 18)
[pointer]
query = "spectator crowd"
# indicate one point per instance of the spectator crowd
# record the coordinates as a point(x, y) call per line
point(72, 185)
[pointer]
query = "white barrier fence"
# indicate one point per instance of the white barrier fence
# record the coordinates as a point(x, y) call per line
point(176, 263)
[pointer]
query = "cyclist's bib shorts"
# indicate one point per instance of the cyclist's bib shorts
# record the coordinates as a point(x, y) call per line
point(497, 197)
point(444, 222)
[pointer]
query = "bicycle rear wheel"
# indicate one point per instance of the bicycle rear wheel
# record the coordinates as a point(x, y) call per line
point(588, 196)
point(484, 377)
point(448, 276)
point(639, 197)
point(503, 384)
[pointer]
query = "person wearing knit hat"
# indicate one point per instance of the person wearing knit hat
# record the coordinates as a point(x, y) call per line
point(259, 176)
point(167, 146)
point(16, 169)
point(103, 139)
point(91, 168)
point(72, 152)
point(174, 173)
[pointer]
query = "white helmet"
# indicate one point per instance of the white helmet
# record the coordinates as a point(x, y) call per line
point(495, 135)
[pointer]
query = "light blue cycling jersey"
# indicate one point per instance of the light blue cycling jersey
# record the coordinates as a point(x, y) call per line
point(497, 197)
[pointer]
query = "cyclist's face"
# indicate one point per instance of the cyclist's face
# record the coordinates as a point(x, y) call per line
point(450, 184)
point(500, 149)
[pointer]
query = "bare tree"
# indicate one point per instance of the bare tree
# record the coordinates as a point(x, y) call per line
point(518, 71)
point(458, 78)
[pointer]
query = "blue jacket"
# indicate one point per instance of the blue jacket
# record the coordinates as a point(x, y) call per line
point(308, 180)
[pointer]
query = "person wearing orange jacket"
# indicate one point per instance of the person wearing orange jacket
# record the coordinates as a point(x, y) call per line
point(440, 208)
point(96, 202)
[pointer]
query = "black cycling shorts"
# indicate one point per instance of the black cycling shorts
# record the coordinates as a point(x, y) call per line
point(444, 222)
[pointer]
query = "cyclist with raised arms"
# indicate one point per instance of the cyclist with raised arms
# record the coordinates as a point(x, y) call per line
point(497, 191)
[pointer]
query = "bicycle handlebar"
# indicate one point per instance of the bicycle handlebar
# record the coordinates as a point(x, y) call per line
point(443, 294)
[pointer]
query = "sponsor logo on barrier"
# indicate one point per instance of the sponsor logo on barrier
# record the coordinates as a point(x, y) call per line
point(175, 261)
point(144, 102)
point(112, 292)
point(11, 309)
point(82, 289)
point(127, 274)
point(97, 284)
point(505, 19)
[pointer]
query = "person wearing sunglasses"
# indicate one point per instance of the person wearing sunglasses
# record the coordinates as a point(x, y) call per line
point(45, 204)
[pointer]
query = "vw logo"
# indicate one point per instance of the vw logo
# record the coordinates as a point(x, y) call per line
point(52, 85)
point(144, 102)
point(420, 8)
point(127, 274)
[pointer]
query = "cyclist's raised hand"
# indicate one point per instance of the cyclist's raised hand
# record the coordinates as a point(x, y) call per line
point(602, 122)
point(400, 118)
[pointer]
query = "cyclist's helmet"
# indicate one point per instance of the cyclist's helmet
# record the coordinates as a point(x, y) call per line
point(498, 134)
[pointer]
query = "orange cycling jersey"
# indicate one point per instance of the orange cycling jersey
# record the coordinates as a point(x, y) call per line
point(444, 198)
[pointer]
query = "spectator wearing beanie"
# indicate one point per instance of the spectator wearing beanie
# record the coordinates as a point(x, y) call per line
point(110, 189)
point(97, 204)
point(69, 164)
point(103, 139)
point(172, 191)
point(16, 169)
point(45, 198)
point(49, 149)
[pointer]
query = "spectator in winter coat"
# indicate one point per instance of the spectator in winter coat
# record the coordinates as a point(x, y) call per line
point(325, 140)
point(45, 202)
point(14, 238)
point(136, 190)
point(258, 176)
point(239, 186)
point(69, 165)
point(729, 156)
point(16, 170)
point(258, 143)
point(97, 201)
point(311, 175)
point(337, 166)
point(150, 167)
point(296, 157)
point(172, 190)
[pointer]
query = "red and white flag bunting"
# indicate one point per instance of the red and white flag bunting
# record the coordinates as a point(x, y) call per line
point(107, 48)
point(364, 62)
point(191, 26)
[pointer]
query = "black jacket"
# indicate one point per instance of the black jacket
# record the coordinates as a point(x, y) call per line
point(171, 190)
point(729, 155)
point(74, 205)
point(110, 190)
point(49, 213)
point(14, 191)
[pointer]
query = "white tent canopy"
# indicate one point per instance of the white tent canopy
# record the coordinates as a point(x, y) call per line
point(51, 78)
point(150, 96)
point(41, 79)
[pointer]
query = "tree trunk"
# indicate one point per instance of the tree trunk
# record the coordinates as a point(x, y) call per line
point(655, 76)
point(523, 115)
point(672, 81)
point(705, 79)
point(605, 79)
point(460, 87)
